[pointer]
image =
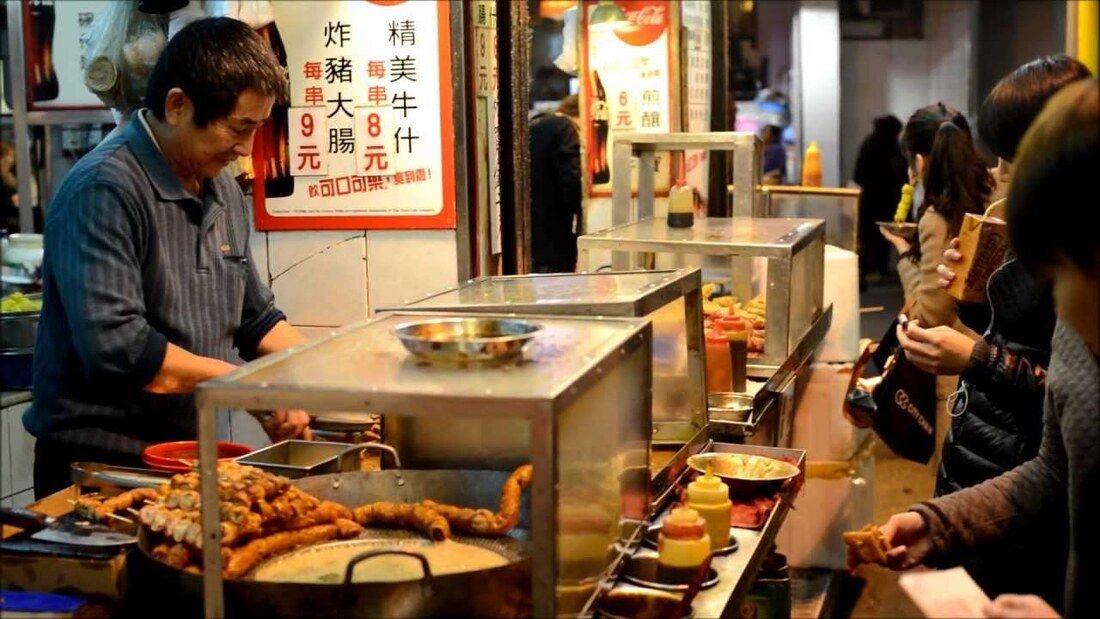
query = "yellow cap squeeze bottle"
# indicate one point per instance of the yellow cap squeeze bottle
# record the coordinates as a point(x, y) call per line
point(682, 546)
point(709, 496)
point(811, 166)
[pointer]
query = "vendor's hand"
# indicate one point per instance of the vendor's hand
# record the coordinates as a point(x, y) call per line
point(287, 424)
point(939, 350)
point(898, 242)
point(1012, 605)
point(907, 535)
point(951, 257)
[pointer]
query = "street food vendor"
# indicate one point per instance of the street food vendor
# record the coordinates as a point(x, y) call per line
point(149, 286)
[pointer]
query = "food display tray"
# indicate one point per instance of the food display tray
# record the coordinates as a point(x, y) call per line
point(737, 571)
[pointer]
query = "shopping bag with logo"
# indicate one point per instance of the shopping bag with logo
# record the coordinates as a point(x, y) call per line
point(899, 404)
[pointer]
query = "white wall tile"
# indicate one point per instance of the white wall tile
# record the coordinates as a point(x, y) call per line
point(405, 265)
point(319, 278)
point(257, 242)
point(16, 451)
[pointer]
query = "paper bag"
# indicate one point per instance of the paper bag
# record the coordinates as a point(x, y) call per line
point(982, 243)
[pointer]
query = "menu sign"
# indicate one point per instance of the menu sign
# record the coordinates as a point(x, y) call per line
point(628, 73)
point(695, 19)
point(370, 140)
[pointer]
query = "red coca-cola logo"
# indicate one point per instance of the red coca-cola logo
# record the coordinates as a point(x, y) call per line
point(648, 20)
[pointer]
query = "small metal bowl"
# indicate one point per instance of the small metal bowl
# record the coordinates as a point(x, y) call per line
point(639, 605)
point(729, 406)
point(466, 339)
point(904, 229)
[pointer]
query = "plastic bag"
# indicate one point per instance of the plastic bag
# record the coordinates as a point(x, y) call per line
point(123, 46)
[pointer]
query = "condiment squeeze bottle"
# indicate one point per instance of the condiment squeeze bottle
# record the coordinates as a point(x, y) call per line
point(682, 546)
point(710, 497)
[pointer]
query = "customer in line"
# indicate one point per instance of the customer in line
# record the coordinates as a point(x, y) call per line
point(556, 188)
point(880, 172)
point(936, 142)
point(996, 420)
point(941, 156)
point(1058, 490)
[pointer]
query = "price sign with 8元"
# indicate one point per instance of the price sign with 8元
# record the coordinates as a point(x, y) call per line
point(374, 140)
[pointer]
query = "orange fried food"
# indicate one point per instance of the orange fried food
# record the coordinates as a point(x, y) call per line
point(484, 522)
point(243, 559)
point(868, 545)
point(404, 516)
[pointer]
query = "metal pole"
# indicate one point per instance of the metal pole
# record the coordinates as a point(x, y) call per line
point(458, 102)
point(21, 127)
point(212, 585)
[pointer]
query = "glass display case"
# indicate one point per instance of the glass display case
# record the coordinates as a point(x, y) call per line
point(576, 405)
point(670, 299)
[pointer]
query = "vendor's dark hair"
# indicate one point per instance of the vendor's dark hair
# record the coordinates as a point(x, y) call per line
point(1016, 100)
point(955, 178)
point(213, 61)
point(1054, 172)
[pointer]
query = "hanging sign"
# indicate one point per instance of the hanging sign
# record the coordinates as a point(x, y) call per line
point(628, 69)
point(375, 75)
point(695, 22)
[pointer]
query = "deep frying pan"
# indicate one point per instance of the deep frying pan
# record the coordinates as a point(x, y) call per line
point(503, 591)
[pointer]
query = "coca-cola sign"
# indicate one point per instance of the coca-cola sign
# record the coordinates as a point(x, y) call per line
point(648, 20)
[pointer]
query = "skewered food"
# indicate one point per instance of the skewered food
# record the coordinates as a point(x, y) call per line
point(417, 516)
point(867, 545)
point(246, 557)
point(483, 521)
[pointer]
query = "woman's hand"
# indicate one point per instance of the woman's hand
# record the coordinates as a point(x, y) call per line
point(898, 242)
point(1010, 605)
point(951, 257)
point(907, 535)
point(939, 350)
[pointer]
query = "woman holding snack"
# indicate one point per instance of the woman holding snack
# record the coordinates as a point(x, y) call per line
point(1056, 490)
point(941, 154)
point(996, 418)
point(937, 144)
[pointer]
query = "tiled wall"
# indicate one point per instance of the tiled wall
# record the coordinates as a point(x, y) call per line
point(327, 279)
point(16, 458)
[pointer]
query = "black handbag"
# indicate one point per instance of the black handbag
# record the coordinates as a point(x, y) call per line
point(899, 404)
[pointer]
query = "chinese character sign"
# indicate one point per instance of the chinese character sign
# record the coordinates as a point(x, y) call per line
point(371, 143)
point(628, 86)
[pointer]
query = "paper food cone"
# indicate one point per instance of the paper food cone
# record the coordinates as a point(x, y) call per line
point(982, 243)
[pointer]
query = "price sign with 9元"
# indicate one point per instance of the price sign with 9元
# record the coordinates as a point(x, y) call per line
point(308, 150)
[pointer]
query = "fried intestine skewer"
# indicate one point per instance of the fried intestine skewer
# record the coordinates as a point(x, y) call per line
point(482, 521)
point(404, 516)
point(241, 560)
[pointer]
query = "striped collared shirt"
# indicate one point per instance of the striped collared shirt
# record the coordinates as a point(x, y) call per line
point(135, 261)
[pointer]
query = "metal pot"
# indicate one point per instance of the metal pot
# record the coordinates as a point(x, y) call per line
point(19, 329)
point(503, 591)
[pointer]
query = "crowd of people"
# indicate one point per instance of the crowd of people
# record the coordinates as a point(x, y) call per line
point(1019, 467)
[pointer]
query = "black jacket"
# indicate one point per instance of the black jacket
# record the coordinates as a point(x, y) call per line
point(997, 424)
point(555, 193)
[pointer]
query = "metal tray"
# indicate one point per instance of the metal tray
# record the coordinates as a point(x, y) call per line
point(296, 459)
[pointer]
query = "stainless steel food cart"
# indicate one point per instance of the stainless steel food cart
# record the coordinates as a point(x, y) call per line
point(577, 406)
point(794, 250)
point(670, 299)
point(728, 249)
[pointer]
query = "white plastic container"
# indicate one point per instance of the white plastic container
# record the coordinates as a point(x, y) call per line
point(841, 288)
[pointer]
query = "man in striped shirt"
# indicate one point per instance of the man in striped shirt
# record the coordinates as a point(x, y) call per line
point(148, 283)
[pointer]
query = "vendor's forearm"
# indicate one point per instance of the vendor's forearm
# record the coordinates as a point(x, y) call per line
point(181, 371)
point(280, 337)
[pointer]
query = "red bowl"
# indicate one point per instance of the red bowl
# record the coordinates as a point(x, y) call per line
point(181, 456)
